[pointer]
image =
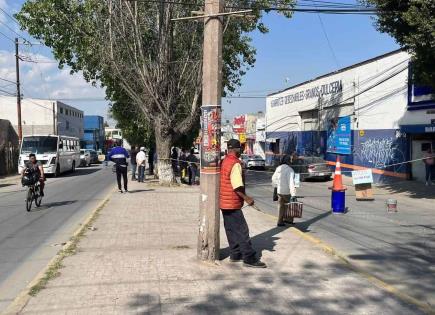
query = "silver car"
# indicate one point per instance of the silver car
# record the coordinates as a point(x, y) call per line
point(311, 167)
point(253, 161)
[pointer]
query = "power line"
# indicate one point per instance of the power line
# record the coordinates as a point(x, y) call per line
point(1, 33)
point(8, 80)
point(10, 16)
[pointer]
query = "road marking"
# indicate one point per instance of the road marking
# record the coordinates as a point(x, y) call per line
point(23, 297)
point(425, 307)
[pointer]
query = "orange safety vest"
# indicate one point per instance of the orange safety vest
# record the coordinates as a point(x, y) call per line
point(229, 200)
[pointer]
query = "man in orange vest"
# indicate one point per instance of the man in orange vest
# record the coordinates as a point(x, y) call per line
point(232, 196)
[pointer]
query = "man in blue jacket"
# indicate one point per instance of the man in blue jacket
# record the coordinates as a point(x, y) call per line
point(119, 155)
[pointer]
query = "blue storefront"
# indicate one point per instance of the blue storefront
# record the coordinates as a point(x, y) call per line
point(369, 113)
point(93, 137)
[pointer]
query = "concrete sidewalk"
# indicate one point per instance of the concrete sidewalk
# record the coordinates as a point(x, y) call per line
point(141, 259)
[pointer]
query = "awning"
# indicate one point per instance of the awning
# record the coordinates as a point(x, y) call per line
point(430, 128)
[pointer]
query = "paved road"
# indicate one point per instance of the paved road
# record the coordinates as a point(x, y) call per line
point(399, 248)
point(28, 240)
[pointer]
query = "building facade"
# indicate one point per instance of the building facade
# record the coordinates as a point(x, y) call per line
point(43, 117)
point(369, 113)
point(94, 133)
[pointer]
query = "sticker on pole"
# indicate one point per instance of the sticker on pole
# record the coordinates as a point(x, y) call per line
point(362, 177)
point(211, 127)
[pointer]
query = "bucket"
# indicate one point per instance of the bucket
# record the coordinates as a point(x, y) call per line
point(391, 205)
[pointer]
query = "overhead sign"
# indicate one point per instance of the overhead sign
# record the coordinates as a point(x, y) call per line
point(327, 89)
point(239, 124)
point(339, 136)
point(362, 177)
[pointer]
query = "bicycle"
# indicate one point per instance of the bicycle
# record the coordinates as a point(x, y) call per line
point(33, 191)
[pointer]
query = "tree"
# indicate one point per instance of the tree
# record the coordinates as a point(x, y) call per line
point(412, 24)
point(135, 50)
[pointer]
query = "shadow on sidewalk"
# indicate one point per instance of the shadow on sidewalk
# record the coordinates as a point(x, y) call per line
point(139, 190)
point(413, 189)
point(263, 241)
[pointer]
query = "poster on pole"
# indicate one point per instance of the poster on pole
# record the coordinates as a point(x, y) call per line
point(211, 126)
point(339, 136)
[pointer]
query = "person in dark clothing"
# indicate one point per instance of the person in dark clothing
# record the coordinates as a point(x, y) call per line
point(119, 155)
point(151, 161)
point(133, 164)
point(174, 160)
point(183, 164)
point(193, 167)
point(35, 166)
point(231, 198)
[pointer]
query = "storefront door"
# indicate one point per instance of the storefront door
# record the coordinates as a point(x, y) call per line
point(419, 147)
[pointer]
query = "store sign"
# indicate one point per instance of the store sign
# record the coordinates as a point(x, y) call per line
point(362, 177)
point(242, 138)
point(339, 136)
point(328, 89)
point(239, 124)
point(413, 129)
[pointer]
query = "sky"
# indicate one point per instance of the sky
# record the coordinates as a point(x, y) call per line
point(293, 51)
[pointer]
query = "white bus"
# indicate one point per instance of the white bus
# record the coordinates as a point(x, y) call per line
point(57, 154)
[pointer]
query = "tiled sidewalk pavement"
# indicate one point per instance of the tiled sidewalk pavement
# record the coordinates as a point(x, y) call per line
point(141, 260)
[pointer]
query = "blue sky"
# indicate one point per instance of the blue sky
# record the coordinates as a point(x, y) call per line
point(294, 50)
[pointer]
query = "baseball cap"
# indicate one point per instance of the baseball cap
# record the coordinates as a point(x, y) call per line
point(142, 148)
point(233, 144)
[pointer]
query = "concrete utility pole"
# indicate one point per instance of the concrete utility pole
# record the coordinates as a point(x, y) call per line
point(17, 69)
point(208, 238)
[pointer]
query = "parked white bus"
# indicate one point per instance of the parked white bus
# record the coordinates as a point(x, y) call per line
point(57, 154)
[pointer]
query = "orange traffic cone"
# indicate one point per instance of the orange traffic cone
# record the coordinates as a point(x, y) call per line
point(337, 184)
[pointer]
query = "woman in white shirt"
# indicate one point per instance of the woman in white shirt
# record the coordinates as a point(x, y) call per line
point(284, 180)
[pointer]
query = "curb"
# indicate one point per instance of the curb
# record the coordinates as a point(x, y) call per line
point(24, 296)
point(424, 307)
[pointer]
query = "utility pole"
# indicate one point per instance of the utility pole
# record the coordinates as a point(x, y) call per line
point(208, 238)
point(17, 69)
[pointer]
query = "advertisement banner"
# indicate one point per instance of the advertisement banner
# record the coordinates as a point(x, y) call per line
point(211, 125)
point(339, 136)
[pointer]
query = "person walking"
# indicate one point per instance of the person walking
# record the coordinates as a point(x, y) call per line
point(429, 162)
point(284, 180)
point(119, 155)
point(231, 197)
point(141, 163)
point(133, 165)
point(193, 167)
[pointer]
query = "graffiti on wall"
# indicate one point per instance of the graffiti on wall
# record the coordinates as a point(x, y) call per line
point(380, 152)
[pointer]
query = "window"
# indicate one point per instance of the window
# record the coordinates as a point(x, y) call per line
point(64, 143)
point(67, 125)
point(66, 112)
point(61, 110)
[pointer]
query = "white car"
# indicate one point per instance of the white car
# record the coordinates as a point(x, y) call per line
point(85, 158)
point(254, 161)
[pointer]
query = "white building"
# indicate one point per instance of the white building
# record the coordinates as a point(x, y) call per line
point(43, 116)
point(368, 113)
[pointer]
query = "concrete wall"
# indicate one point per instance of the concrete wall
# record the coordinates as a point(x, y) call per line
point(9, 148)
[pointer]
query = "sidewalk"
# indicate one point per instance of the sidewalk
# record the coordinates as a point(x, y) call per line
point(141, 259)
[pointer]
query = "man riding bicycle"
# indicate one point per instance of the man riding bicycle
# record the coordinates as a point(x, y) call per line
point(35, 166)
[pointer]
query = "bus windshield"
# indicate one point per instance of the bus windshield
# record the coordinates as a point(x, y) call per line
point(39, 145)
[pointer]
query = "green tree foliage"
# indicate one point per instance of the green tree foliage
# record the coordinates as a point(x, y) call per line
point(412, 24)
point(149, 64)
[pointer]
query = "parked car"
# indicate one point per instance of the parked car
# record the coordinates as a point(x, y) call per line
point(85, 158)
point(253, 161)
point(94, 156)
point(311, 167)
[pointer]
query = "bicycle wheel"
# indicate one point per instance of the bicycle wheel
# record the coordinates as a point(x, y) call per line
point(38, 197)
point(29, 199)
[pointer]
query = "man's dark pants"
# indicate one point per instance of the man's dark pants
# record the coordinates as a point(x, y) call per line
point(133, 171)
point(141, 176)
point(237, 232)
point(121, 170)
